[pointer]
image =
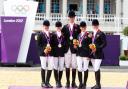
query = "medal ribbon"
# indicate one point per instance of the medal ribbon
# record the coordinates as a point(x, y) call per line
point(71, 31)
point(93, 38)
point(48, 38)
point(59, 39)
point(82, 37)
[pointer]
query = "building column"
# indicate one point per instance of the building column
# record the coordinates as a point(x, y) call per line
point(101, 8)
point(2, 8)
point(84, 8)
point(64, 12)
point(118, 15)
point(48, 8)
point(118, 8)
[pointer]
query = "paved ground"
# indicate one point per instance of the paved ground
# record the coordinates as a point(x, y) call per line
point(30, 76)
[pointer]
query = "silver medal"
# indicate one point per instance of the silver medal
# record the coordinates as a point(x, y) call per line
point(48, 45)
point(59, 45)
point(71, 38)
point(80, 45)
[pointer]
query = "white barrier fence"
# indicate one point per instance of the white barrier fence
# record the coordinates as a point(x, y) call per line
point(89, 17)
point(108, 21)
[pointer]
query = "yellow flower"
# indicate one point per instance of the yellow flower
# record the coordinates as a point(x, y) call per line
point(92, 46)
point(76, 42)
point(46, 51)
point(48, 48)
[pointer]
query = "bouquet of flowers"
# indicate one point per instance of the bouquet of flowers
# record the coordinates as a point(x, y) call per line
point(75, 42)
point(92, 46)
point(47, 49)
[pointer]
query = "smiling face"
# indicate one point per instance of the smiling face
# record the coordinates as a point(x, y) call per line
point(83, 29)
point(95, 27)
point(71, 19)
point(58, 29)
point(45, 27)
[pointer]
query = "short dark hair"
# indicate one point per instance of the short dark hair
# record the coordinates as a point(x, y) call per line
point(95, 22)
point(58, 24)
point(46, 23)
point(83, 24)
point(71, 14)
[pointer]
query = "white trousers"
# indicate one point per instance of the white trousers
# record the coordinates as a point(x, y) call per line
point(96, 64)
point(58, 63)
point(70, 60)
point(46, 62)
point(83, 63)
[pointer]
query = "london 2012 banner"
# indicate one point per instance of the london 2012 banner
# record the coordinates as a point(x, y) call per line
point(22, 8)
point(12, 29)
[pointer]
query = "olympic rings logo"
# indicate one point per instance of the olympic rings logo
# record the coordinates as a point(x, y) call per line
point(20, 9)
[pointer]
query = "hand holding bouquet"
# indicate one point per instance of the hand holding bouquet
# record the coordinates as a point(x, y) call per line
point(92, 47)
point(75, 43)
point(47, 49)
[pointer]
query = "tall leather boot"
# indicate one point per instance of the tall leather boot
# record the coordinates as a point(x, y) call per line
point(97, 78)
point(43, 77)
point(48, 85)
point(56, 77)
point(68, 77)
point(85, 78)
point(73, 78)
point(80, 80)
point(60, 77)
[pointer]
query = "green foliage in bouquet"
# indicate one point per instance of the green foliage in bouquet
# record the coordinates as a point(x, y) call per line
point(125, 31)
point(123, 58)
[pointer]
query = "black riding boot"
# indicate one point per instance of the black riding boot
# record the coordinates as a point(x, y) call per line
point(80, 80)
point(56, 77)
point(60, 77)
point(97, 78)
point(43, 77)
point(48, 85)
point(68, 77)
point(85, 78)
point(73, 78)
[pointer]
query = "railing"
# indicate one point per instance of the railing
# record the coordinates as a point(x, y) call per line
point(109, 22)
point(56, 16)
point(78, 17)
point(90, 17)
point(107, 18)
point(40, 17)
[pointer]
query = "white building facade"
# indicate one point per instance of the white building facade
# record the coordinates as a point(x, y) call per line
point(83, 8)
point(112, 14)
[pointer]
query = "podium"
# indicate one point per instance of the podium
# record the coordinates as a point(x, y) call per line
point(0, 46)
point(36, 87)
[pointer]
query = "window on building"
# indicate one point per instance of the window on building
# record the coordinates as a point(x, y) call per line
point(92, 7)
point(41, 6)
point(107, 6)
point(55, 6)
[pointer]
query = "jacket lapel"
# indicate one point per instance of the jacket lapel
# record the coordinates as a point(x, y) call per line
point(97, 35)
point(68, 28)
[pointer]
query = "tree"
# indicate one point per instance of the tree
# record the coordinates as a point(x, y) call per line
point(125, 32)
